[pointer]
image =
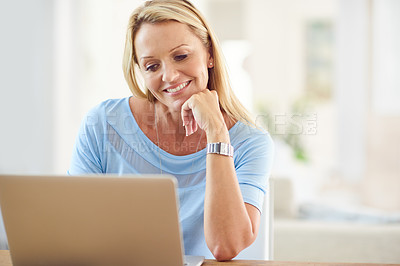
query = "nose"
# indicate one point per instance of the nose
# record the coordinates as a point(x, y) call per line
point(170, 73)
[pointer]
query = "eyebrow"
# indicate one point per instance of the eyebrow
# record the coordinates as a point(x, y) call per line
point(183, 44)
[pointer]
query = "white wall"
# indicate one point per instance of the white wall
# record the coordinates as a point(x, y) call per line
point(89, 43)
point(352, 86)
point(386, 57)
point(383, 148)
point(26, 106)
point(26, 68)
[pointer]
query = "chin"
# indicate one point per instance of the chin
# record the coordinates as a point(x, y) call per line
point(177, 105)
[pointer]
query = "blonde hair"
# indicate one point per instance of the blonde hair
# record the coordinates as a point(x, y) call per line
point(157, 11)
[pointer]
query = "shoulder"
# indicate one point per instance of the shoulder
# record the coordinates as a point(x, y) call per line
point(106, 110)
point(139, 105)
point(251, 143)
point(241, 133)
point(142, 111)
point(110, 106)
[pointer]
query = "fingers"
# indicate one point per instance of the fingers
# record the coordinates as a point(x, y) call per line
point(186, 113)
point(194, 126)
point(189, 121)
point(187, 118)
point(191, 127)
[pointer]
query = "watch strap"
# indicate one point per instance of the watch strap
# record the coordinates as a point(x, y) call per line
point(220, 148)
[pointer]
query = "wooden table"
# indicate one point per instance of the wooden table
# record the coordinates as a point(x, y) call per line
point(5, 260)
point(283, 263)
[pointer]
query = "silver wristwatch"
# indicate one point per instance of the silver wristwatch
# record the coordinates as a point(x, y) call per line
point(220, 148)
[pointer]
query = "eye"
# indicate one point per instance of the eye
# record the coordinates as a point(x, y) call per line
point(152, 68)
point(180, 57)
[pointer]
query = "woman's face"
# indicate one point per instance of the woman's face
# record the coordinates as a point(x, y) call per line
point(173, 62)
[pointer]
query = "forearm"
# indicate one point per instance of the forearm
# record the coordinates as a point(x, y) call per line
point(228, 227)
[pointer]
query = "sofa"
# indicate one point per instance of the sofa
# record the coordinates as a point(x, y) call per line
point(318, 233)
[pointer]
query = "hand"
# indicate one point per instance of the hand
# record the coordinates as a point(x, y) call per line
point(202, 110)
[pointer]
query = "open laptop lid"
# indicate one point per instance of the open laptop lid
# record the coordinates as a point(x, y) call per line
point(92, 220)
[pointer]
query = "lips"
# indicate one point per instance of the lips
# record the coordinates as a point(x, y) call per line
point(178, 88)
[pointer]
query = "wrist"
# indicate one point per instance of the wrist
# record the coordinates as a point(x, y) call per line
point(218, 135)
point(217, 131)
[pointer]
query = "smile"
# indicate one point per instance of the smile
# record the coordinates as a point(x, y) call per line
point(180, 87)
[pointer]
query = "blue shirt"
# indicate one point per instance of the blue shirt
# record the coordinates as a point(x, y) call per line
point(110, 141)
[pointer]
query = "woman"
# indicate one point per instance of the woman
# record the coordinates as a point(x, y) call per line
point(184, 105)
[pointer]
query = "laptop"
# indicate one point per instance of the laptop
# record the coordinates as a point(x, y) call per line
point(93, 220)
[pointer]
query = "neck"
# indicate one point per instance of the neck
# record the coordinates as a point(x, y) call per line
point(169, 129)
point(168, 121)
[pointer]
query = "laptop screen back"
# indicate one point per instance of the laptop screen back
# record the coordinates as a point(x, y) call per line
point(92, 220)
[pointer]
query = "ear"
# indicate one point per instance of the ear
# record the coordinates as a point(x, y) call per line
point(210, 62)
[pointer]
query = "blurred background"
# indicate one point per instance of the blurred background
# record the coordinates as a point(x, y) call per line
point(323, 76)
